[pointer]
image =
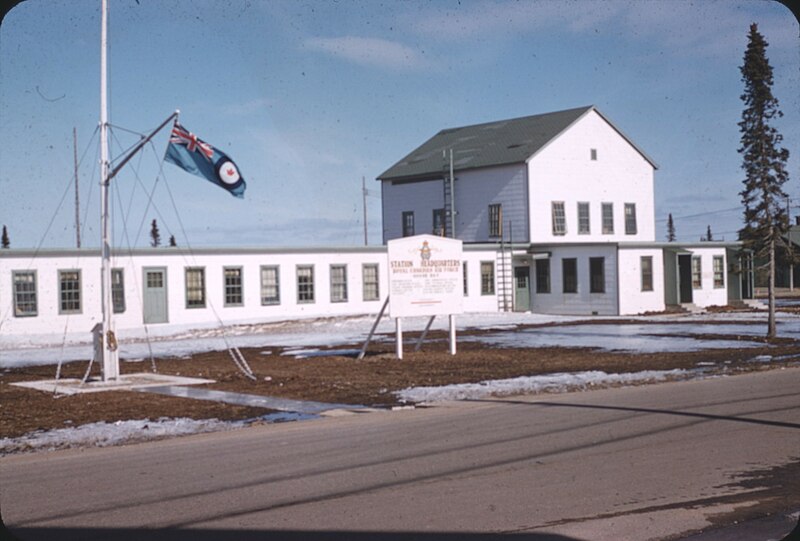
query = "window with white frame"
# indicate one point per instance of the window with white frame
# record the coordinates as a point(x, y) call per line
point(118, 290)
point(630, 218)
point(593, 154)
point(234, 295)
point(496, 220)
point(608, 218)
point(559, 218)
point(719, 271)
point(305, 284)
point(569, 275)
point(597, 275)
point(408, 223)
point(646, 264)
point(338, 283)
point(69, 291)
point(487, 277)
point(195, 278)
point(438, 222)
point(370, 284)
point(697, 272)
point(584, 227)
point(25, 293)
point(270, 285)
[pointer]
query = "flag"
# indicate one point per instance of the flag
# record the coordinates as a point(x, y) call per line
point(195, 156)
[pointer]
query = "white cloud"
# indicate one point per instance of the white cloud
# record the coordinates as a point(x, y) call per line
point(370, 52)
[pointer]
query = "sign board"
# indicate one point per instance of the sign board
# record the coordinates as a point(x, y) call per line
point(425, 276)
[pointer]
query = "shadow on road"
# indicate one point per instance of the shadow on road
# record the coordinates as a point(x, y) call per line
point(62, 534)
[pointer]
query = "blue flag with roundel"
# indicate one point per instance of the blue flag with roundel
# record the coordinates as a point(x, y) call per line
point(195, 156)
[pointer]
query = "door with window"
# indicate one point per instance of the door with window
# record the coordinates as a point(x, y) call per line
point(155, 295)
point(522, 289)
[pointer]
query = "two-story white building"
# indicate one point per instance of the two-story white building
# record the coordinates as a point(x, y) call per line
point(569, 200)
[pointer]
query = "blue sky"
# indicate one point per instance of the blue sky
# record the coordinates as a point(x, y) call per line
point(310, 96)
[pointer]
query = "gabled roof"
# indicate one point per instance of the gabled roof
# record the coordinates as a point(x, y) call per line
point(494, 143)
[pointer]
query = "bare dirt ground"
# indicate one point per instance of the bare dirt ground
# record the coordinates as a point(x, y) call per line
point(336, 378)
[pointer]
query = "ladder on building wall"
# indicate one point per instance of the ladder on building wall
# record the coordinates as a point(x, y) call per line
point(449, 196)
point(505, 278)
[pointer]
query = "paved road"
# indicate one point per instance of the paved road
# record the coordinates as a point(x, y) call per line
point(625, 464)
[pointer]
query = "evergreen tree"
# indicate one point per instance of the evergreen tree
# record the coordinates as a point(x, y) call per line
point(709, 236)
point(670, 229)
point(172, 243)
point(6, 243)
point(764, 163)
point(155, 236)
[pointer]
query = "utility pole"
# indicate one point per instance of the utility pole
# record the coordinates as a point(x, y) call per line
point(77, 196)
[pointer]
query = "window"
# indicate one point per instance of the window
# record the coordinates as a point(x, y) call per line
point(647, 272)
point(559, 218)
point(583, 219)
point(24, 293)
point(270, 285)
point(338, 283)
point(496, 220)
point(155, 279)
point(369, 278)
point(630, 218)
point(69, 291)
point(195, 278)
point(719, 271)
point(464, 274)
point(487, 277)
point(438, 222)
point(543, 276)
point(305, 283)
point(118, 290)
point(569, 275)
point(593, 154)
point(408, 223)
point(233, 286)
point(697, 272)
point(608, 218)
point(597, 275)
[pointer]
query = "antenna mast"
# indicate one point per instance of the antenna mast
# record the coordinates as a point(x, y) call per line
point(77, 197)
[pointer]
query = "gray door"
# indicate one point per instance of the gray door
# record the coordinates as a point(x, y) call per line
point(522, 289)
point(155, 295)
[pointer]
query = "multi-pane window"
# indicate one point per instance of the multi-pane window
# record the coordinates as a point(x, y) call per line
point(196, 287)
point(305, 283)
point(438, 222)
point(496, 220)
point(559, 218)
point(583, 219)
point(608, 218)
point(719, 271)
point(647, 272)
point(697, 272)
point(630, 218)
point(487, 277)
point(464, 277)
point(24, 293)
point(593, 154)
point(543, 276)
point(270, 285)
point(408, 223)
point(233, 286)
point(69, 291)
point(569, 275)
point(338, 283)
point(369, 278)
point(597, 275)
point(118, 290)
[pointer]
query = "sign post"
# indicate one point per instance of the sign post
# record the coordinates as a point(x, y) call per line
point(425, 279)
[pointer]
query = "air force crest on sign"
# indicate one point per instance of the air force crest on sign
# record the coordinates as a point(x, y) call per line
point(425, 251)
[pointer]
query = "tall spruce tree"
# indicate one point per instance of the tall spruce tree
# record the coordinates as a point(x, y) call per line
point(172, 242)
point(6, 242)
point(764, 163)
point(155, 235)
point(670, 229)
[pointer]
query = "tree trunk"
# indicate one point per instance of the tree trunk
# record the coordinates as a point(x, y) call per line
point(771, 332)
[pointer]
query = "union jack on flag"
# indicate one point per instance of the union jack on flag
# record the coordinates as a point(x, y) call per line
point(195, 156)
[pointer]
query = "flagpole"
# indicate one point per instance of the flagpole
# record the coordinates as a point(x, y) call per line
point(110, 357)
